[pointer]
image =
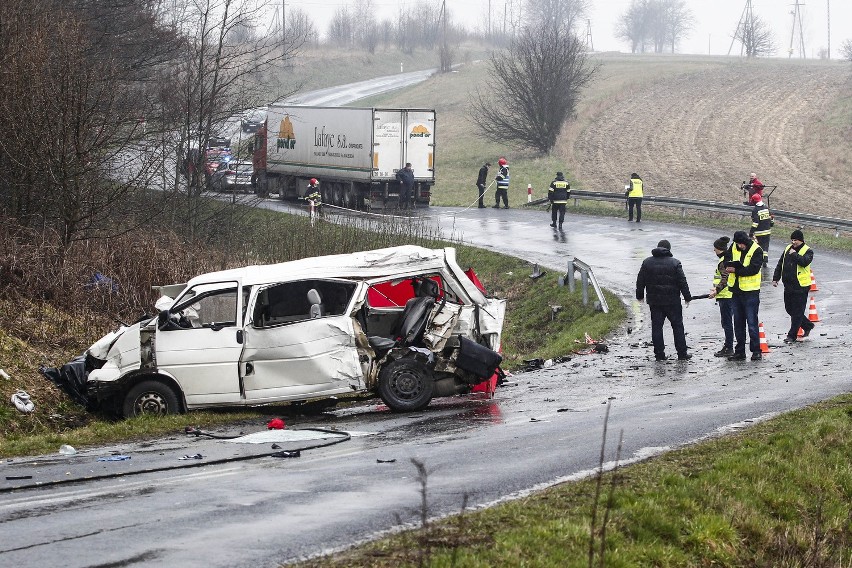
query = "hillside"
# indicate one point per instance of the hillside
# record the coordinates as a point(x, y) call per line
point(689, 125)
point(701, 132)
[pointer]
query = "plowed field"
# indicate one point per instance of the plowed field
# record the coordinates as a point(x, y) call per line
point(700, 132)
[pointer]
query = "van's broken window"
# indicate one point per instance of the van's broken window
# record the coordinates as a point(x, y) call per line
point(207, 307)
point(291, 301)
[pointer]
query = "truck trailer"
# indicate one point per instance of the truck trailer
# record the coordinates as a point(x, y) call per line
point(355, 153)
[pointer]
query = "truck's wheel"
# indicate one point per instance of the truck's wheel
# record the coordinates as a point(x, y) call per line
point(150, 397)
point(349, 198)
point(337, 198)
point(406, 385)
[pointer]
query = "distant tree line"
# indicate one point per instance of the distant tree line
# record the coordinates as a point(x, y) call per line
point(654, 25)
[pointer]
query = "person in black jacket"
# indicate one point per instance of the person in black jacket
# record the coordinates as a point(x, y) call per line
point(406, 185)
point(794, 271)
point(480, 182)
point(661, 275)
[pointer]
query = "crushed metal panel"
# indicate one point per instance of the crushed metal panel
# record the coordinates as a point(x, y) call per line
point(442, 321)
point(310, 357)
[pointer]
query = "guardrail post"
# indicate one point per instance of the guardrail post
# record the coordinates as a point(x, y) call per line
point(584, 278)
point(568, 277)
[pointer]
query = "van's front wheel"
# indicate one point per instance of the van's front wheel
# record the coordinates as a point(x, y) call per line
point(406, 385)
point(150, 397)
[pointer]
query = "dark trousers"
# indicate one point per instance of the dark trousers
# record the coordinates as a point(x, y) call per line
point(557, 209)
point(480, 189)
point(404, 196)
point(746, 306)
point(504, 193)
point(631, 203)
point(794, 303)
point(726, 311)
point(674, 313)
point(763, 241)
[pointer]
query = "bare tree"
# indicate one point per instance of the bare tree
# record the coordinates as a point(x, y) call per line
point(216, 79)
point(341, 29)
point(679, 20)
point(633, 25)
point(563, 14)
point(75, 102)
point(756, 37)
point(537, 87)
point(300, 25)
point(656, 22)
point(846, 50)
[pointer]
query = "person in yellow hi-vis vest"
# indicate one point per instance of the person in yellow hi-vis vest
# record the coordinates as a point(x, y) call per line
point(722, 294)
point(634, 197)
point(744, 275)
point(794, 271)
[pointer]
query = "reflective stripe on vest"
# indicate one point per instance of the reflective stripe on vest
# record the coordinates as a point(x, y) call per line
point(717, 278)
point(803, 273)
point(746, 283)
point(635, 188)
point(558, 190)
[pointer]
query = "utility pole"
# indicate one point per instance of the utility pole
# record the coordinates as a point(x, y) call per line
point(745, 27)
point(283, 21)
point(828, 23)
point(797, 17)
point(590, 45)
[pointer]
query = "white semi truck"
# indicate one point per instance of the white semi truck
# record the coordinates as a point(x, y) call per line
point(355, 153)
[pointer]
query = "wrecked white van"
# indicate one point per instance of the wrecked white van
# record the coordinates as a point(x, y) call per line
point(405, 322)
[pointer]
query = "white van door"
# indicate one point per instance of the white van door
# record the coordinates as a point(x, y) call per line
point(200, 344)
point(300, 342)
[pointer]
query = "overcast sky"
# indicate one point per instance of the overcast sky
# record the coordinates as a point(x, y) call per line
point(715, 20)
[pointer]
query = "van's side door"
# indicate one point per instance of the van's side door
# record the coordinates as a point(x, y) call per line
point(290, 355)
point(201, 344)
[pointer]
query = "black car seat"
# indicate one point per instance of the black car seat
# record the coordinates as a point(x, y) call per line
point(315, 300)
point(412, 322)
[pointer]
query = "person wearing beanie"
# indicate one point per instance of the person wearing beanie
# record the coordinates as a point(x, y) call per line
point(634, 197)
point(761, 224)
point(662, 279)
point(722, 295)
point(794, 271)
point(481, 179)
point(558, 194)
point(744, 275)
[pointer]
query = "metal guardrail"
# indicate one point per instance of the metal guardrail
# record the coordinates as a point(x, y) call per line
point(801, 219)
point(587, 276)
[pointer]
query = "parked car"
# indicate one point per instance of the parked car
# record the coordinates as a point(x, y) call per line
point(252, 121)
point(405, 322)
point(234, 175)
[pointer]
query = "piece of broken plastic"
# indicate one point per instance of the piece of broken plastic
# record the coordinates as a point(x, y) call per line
point(22, 402)
point(192, 457)
point(67, 450)
point(113, 458)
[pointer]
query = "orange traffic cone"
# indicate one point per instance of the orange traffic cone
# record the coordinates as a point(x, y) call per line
point(801, 333)
point(764, 346)
point(812, 313)
point(814, 287)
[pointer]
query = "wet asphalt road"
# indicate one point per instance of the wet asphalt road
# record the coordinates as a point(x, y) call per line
point(544, 427)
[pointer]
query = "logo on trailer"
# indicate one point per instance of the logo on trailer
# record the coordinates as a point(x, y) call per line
point(419, 131)
point(286, 137)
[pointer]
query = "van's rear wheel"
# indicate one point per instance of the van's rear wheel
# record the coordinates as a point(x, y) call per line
point(406, 385)
point(150, 397)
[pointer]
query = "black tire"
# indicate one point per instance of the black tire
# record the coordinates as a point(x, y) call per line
point(150, 397)
point(406, 385)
